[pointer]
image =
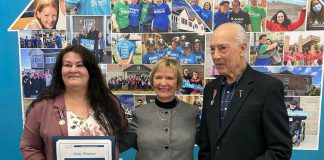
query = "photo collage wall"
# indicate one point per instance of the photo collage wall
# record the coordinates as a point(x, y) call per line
point(127, 37)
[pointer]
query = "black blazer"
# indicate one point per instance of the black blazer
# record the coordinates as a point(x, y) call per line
point(256, 123)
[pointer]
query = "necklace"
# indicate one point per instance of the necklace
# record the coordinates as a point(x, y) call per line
point(166, 112)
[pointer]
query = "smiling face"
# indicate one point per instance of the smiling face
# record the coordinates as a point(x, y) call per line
point(207, 6)
point(165, 84)
point(150, 48)
point(197, 46)
point(74, 73)
point(47, 17)
point(224, 7)
point(174, 44)
point(280, 17)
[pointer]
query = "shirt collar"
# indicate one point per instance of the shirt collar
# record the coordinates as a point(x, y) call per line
point(224, 82)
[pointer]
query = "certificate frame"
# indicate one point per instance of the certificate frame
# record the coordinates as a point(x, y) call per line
point(55, 139)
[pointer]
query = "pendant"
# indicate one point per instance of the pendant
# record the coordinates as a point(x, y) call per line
point(62, 122)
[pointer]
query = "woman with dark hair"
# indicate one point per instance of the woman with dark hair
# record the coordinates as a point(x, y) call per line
point(77, 103)
point(316, 14)
point(280, 21)
point(206, 14)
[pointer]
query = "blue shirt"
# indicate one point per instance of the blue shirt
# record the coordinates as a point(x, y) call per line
point(134, 14)
point(161, 53)
point(187, 59)
point(220, 18)
point(91, 7)
point(180, 49)
point(161, 20)
point(197, 9)
point(206, 15)
point(228, 91)
point(173, 54)
point(38, 43)
point(22, 43)
point(28, 43)
point(200, 56)
point(125, 48)
point(58, 40)
point(150, 58)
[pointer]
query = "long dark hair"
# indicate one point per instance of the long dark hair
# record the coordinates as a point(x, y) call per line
point(107, 109)
point(286, 21)
point(312, 16)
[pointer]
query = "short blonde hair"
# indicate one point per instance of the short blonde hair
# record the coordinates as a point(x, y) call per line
point(168, 63)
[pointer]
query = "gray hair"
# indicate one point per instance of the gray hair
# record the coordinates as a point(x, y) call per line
point(241, 36)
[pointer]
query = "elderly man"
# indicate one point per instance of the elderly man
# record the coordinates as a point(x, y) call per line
point(244, 115)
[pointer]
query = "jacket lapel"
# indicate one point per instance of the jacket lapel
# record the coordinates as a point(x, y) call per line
point(241, 92)
point(60, 114)
point(215, 106)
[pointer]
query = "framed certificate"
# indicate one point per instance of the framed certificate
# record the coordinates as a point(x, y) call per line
point(83, 147)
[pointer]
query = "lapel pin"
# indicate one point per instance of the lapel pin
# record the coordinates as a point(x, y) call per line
point(240, 92)
point(214, 95)
point(62, 122)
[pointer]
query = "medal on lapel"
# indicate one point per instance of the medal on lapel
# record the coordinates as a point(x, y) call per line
point(62, 122)
point(61, 116)
point(214, 95)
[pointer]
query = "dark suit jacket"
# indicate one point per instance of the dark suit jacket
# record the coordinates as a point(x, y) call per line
point(256, 123)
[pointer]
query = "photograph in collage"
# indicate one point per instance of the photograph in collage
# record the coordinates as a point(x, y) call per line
point(315, 15)
point(303, 112)
point(42, 14)
point(303, 49)
point(285, 15)
point(129, 37)
point(192, 16)
point(250, 14)
point(144, 16)
point(266, 49)
point(93, 33)
point(36, 70)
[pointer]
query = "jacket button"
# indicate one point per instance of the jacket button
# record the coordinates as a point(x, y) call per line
point(218, 147)
point(166, 112)
point(166, 147)
point(166, 129)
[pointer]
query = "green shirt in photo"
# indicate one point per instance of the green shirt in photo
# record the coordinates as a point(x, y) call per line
point(256, 15)
point(144, 12)
point(121, 11)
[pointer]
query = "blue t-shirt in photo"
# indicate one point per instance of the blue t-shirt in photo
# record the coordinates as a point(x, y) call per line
point(220, 18)
point(58, 40)
point(161, 19)
point(180, 49)
point(161, 53)
point(134, 14)
point(206, 15)
point(125, 48)
point(200, 56)
point(91, 7)
point(173, 53)
point(150, 58)
point(189, 59)
point(197, 9)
